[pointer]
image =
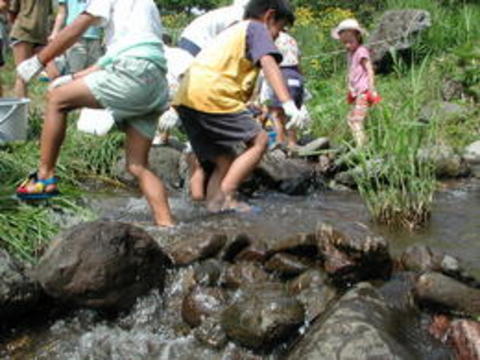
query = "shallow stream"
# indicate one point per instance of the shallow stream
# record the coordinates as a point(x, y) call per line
point(149, 331)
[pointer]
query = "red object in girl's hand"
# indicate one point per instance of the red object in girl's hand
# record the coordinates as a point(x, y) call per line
point(350, 98)
point(373, 97)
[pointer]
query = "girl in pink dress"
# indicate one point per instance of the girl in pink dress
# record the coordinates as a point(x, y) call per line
point(361, 77)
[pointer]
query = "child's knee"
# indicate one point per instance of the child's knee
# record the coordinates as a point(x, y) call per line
point(136, 169)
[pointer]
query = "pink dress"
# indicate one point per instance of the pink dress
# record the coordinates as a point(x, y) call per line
point(357, 73)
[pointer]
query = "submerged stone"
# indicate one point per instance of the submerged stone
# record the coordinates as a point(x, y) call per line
point(243, 274)
point(185, 252)
point(202, 303)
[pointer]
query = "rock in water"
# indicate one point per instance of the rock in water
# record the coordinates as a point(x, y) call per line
point(187, 252)
point(352, 253)
point(359, 327)
point(102, 265)
point(396, 33)
point(442, 290)
point(18, 293)
point(263, 316)
point(447, 163)
point(202, 303)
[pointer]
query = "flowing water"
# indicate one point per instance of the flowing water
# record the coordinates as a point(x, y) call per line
point(153, 329)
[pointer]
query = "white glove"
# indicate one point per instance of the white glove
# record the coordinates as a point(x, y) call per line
point(60, 81)
point(29, 68)
point(293, 114)
point(169, 120)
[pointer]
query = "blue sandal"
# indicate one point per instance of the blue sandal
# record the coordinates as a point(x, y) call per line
point(34, 188)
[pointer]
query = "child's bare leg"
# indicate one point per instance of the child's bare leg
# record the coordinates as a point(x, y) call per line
point(292, 138)
point(197, 179)
point(59, 102)
point(22, 51)
point(137, 149)
point(279, 122)
point(356, 120)
point(215, 195)
point(242, 167)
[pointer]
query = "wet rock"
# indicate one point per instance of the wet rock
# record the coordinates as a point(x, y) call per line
point(359, 327)
point(208, 273)
point(372, 169)
point(18, 293)
point(472, 153)
point(447, 163)
point(243, 274)
point(290, 176)
point(163, 161)
point(464, 336)
point(233, 248)
point(422, 258)
point(202, 303)
point(102, 265)
point(211, 333)
point(435, 288)
point(105, 343)
point(302, 244)
point(256, 252)
point(287, 265)
point(396, 32)
point(185, 252)
point(235, 352)
point(352, 253)
point(313, 147)
point(313, 291)
point(312, 278)
point(443, 112)
point(263, 316)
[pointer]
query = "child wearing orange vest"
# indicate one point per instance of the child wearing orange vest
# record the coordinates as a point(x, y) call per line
point(212, 97)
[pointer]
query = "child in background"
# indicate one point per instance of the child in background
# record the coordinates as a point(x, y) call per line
point(129, 81)
point(212, 98)
point(30, 30)
point(3, 36)
point(86, 51)
point(361, 77)
point(293, 77)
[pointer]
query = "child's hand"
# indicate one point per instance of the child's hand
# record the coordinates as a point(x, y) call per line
point(29, 68)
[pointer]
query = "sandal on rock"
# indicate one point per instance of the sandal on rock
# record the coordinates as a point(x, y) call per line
point(34, 188)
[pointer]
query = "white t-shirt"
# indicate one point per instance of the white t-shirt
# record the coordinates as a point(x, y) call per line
point(127, 20)
point(206, 27)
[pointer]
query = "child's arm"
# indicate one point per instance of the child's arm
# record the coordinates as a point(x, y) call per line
point(367, 64)
point(59, 21)
point(274, 77)
point(30, 68)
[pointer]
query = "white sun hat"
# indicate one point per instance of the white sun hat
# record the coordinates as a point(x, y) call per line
point(348, 24)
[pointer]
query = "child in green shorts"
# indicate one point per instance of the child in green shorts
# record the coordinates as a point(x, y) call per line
point(212, 97)
point(129, 81)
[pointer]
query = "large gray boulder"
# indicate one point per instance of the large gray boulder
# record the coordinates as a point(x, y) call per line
point(102, 265)
point(163, 161)
point(396, 32)
point(359, 327)
point(18, 293)
point(446, 162)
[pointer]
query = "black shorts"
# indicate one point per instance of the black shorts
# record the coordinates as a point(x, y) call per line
point(213, 135)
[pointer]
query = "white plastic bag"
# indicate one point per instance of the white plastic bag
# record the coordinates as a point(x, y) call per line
point(95, 121)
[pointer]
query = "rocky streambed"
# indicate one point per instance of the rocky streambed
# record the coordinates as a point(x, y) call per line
point(306, 278)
